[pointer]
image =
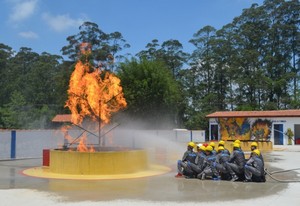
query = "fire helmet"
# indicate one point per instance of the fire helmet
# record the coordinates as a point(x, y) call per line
point(256, 151)
point(237, 141)
point(209, 148)
point(236, 145)
point(212, 144)
point(221, 143)
point(203, 148)
point(254, 144)
point(220, 148)
point(191, 144)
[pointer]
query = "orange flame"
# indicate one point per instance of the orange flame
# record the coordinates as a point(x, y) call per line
point(97, 94)
point(93, 92)
point(82, 146)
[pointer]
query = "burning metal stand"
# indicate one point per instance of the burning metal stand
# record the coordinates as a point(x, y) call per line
point(85, 130)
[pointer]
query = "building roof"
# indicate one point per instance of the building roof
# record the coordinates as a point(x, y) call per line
point(62, 118)
point(273, 113)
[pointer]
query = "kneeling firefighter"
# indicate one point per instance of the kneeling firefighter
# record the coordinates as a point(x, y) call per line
point(188, 157)
point(254, 168)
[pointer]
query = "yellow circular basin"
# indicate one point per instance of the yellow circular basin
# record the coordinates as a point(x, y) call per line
point(98, 163)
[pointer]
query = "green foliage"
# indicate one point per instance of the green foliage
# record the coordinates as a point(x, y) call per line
point(150, 91)
point(13, 114)
point(104, 47)
point(170, 52)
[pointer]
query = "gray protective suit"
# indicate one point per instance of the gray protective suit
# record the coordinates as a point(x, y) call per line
point(198, 167)
point(188, 157)
point(209, 170)
point(221, 160)
point(236, 162)
point(254, 169)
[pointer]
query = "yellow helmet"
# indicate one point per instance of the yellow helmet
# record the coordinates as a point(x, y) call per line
point(202, 148)
point(254, 144)
point(237, 141)
point(256, 151)
point(191, 144)
point(220, 148)
point(212, 144)
point(221, 143)
point(237, 145)
point(209, 148)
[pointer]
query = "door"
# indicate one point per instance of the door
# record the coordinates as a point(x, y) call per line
point(214, 132)
point(297, 133)
point(278, 134)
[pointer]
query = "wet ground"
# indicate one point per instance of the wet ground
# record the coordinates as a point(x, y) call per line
point(163, 189)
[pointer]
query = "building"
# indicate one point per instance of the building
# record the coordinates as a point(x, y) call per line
point(282, 127)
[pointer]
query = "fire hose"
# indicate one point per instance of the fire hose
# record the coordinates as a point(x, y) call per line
point(281, 171)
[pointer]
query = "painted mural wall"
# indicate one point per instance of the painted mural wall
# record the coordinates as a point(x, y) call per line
point(245, 129)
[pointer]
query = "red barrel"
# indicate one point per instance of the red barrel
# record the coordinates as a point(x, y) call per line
point(46, 157)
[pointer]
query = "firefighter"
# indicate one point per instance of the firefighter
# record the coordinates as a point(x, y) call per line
point(208, 168)
point(254, 168)
point(197, 168)
point(254, 146)
point(220, 164)
point(213, 145)
point(188, 157)
point(236, 163)
point(222, 143)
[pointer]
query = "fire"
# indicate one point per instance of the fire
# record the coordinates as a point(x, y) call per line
point(82, 146)
point(93, 92)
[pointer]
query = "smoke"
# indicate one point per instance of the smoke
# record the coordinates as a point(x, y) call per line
point(163, 145)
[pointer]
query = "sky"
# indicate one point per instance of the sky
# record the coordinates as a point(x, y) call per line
point(44, 25)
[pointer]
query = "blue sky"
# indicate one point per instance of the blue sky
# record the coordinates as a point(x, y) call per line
point(44, 25)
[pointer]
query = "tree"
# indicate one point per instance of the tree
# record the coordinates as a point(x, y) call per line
point(104, 46)
point(150, 91)
point(13, 114)
point(249, 40)
point(6, 54)
point(170, 52)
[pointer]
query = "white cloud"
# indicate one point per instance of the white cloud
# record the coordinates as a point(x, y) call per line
point(61, 23)
point(22, 10)
point(29, 35)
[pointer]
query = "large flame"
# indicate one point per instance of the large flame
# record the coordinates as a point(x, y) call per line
point(93, 92)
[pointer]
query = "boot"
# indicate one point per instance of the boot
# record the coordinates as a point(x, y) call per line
point(178, 175)
point(234, 178)
point(201, 176)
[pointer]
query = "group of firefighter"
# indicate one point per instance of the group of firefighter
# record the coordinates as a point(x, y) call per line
point(217, 163)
